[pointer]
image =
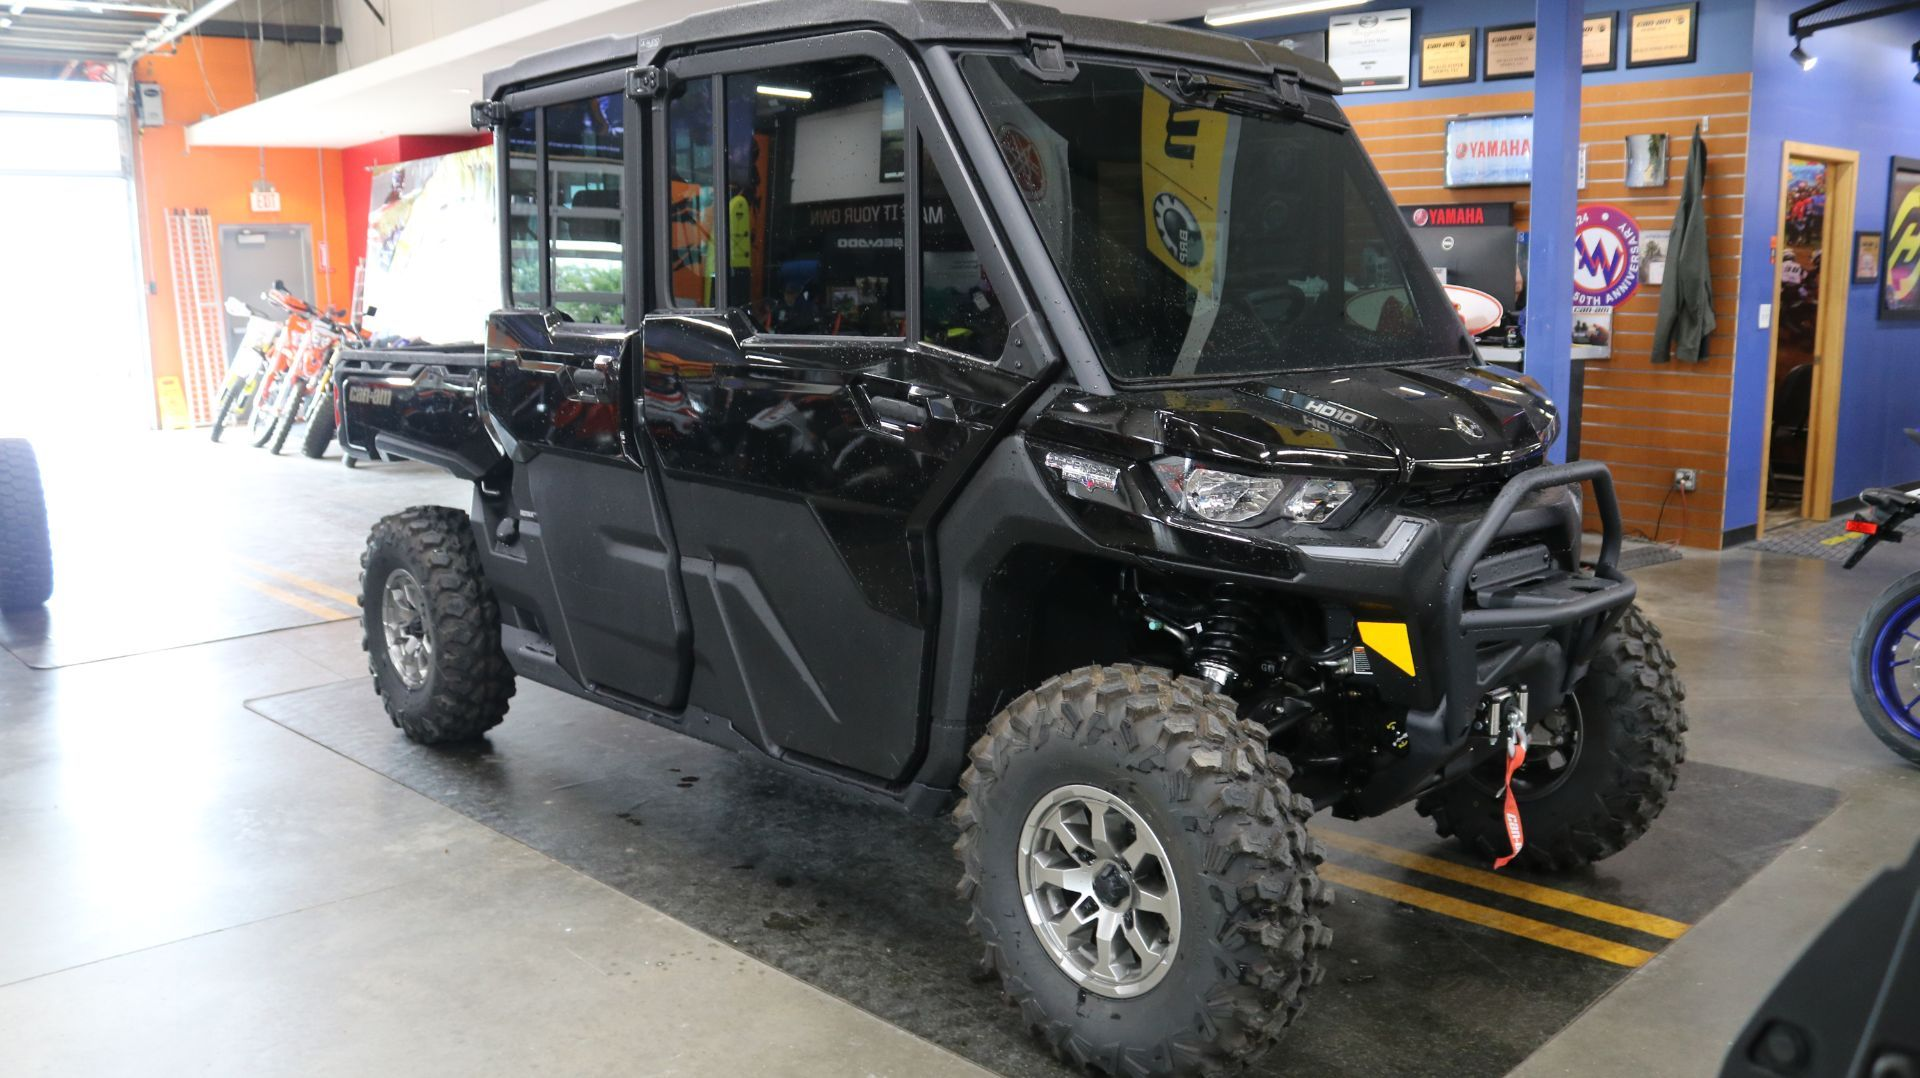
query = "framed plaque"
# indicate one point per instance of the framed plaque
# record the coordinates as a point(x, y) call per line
point(1866, 257)
point(1600, 42)
point(1669, 34)
point(1372, 51)
point(1446, 58)
point(1510, 51)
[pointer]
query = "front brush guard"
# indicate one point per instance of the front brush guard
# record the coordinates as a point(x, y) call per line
point(1541, 632)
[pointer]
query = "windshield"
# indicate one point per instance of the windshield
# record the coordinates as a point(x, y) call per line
point(1203, 232)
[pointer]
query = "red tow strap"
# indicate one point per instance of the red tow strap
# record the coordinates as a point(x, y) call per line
point(1510, 806)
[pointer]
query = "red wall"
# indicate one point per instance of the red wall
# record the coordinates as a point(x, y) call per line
point(357, 163)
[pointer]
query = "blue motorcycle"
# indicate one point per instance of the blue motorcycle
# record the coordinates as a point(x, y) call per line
point(1886, 649)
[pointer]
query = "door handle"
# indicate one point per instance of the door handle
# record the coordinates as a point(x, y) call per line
point(901, 413)
point(594, 384)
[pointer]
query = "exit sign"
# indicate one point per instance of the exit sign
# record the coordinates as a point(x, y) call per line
point(264, 201)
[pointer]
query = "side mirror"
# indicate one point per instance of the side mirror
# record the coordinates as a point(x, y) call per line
point(237, 307)
point(369, 312)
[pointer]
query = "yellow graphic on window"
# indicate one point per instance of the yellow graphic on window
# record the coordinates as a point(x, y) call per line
point(1184, 154)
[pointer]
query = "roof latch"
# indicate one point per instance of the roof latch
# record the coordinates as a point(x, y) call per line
point(1047, 59)
point(645, 82)
point(488, 114)
point(1286, 87)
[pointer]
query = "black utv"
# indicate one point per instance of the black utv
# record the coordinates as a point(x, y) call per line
point(966, 402)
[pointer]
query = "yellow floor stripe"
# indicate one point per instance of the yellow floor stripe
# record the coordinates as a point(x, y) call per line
point(299, 602)
point(1593, 909)
point(1499, 920)
point(325, 591)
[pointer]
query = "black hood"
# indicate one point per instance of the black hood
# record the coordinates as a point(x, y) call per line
point(1411, 420)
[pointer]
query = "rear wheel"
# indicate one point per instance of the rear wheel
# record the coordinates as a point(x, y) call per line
point(1886, 667)
point(1598, 768)
point(26, 551)
point(1140, 874)
point(431, 627)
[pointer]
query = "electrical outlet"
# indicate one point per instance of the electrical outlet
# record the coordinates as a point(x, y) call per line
point(1686, 479)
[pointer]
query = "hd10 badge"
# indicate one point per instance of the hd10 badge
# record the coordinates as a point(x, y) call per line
point(1606, 256)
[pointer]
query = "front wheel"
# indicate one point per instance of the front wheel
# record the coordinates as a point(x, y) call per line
point(291, 399)
point(320, 429)
point(1139, 873)
point(1886, 667)
point(1598, 767)
point(26, 551)
point(230, 395)
point(431, 627)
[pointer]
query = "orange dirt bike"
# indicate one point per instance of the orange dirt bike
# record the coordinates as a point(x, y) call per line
point(321, 412)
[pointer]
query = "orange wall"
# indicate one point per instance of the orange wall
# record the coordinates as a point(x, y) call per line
point(203, 78)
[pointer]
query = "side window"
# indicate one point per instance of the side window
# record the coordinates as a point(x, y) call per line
point(585, 146)
point(816, 199)
point(958, 308)
point(523, 208)
point(690, 193)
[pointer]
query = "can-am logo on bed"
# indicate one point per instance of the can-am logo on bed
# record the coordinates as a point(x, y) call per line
point(1606, 256)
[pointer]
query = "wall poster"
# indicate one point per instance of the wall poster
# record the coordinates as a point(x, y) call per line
point(1900, 278)
point(1372, 51)
point(433, 248)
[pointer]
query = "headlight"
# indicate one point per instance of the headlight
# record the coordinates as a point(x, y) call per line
point(1232, 498)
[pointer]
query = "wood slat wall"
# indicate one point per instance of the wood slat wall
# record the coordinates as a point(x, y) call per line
point(1643, 419)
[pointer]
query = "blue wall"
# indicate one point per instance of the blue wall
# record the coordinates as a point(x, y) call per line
point(1726, 35)
point(1860, 96)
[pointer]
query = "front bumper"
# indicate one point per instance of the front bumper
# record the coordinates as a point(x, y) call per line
point(1503, 619)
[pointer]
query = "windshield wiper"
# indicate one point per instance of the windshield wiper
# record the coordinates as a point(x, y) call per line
point(1282, 98)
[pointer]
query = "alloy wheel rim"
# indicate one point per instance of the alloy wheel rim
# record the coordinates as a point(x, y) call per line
point(403, 617)
point(1099, 890)
point(1895, 666)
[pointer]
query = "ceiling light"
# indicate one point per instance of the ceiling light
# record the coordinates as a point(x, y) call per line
point(1801, 56)
point(1233, 16)
point(784, 91)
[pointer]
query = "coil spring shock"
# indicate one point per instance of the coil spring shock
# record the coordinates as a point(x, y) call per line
point(1223, 647)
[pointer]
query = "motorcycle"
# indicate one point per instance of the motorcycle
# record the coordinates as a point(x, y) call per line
point(1886, 648)
point(245, 368)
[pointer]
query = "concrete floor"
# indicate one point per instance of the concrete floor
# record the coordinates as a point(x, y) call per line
point(188, 883)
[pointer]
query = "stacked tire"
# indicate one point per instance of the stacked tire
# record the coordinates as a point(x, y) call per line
point(26, 550)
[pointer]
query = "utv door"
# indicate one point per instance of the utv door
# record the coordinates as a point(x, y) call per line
point(596, 539)
point(808, 425)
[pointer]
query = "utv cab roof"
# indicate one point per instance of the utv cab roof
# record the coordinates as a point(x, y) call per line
point(956, 22)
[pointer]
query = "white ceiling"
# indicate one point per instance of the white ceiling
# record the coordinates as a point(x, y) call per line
point(426, 90)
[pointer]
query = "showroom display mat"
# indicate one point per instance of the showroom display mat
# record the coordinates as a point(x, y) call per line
point(1437, 968)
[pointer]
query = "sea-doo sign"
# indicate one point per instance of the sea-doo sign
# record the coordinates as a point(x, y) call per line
point(1487, 151)
point(1606, 256)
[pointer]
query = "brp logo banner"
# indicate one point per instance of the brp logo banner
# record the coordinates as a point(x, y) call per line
point(1606, 256)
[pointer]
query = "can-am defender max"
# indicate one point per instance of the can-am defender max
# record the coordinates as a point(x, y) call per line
point(965, 401)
